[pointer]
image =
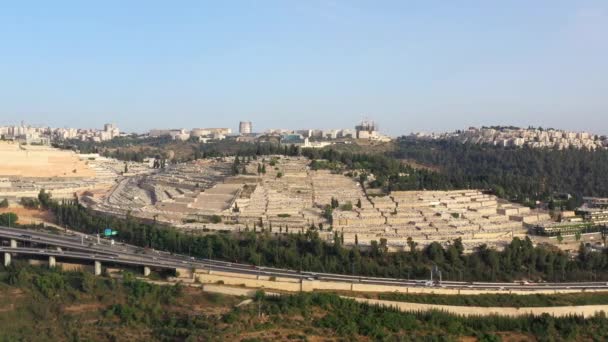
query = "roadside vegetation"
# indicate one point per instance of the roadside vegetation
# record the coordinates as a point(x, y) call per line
point(39, 304)
point(307, 251)
point(350, 320)
point(501, 300)
point(8, 219)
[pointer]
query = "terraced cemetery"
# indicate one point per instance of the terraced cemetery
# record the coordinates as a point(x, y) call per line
point(290, 197)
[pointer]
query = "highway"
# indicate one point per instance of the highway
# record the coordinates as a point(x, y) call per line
point(82, 247)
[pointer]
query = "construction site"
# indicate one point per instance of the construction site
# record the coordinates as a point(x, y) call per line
point(289, 197)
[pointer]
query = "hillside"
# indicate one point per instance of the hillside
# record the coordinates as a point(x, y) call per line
point(37, 304)
point(40, 161)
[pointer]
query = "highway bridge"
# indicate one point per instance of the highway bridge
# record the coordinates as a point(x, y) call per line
point(87, 249)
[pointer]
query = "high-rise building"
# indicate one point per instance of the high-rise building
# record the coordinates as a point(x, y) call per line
point(110, 131)
point(366, 129)
point(245, 127)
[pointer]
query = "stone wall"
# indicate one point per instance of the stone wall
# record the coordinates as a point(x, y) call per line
point(557, 311)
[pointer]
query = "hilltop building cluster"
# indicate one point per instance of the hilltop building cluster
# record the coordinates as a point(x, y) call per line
point(32, 135)
point(519, 137)
point(201, 134)
point(311, 138)
point(366, 130)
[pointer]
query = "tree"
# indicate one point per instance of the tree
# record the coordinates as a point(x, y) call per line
point(235, 166)
point(31, 203)
point(4, 203)
point(328, 213)
point(560, 238)
point(411, 244)
point(577, 236)
point(44, 198)
point(8, 219)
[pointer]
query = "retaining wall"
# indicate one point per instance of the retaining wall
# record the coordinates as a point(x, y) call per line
point(557, 311)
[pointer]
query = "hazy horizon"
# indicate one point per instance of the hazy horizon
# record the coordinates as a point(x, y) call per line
point(235, 128)
point(410, 66)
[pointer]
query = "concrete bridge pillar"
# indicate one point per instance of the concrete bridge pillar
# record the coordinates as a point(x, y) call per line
point(13, 243)
point(146, 271)
point(7, 259)
point(52, 261)
point(97, 268)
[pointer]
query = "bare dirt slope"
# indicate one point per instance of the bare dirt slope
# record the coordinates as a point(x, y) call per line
point(40, 161)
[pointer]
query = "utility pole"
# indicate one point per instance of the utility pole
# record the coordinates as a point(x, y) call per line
point(400, 270)
point(209, 257)
point(260, 306)
point(259, 264)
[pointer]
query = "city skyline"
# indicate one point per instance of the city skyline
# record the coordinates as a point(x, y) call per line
point(410, 67)
point(234, 127)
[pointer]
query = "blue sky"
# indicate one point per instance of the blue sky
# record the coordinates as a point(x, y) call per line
point(410, 65)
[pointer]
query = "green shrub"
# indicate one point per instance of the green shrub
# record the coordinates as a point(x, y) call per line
point(31, 203)
point(348, 206)
point(8, 219)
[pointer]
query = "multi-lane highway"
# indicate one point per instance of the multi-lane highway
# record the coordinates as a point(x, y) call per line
point(86, 248)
